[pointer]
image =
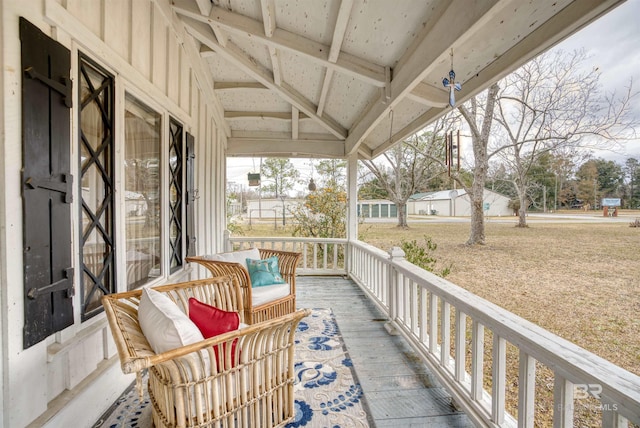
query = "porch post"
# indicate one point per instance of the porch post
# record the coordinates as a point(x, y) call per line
point(352, 206)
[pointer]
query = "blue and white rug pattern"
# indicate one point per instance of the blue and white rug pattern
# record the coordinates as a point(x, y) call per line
point(327, 393)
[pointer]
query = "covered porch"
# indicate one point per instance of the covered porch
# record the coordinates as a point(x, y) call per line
point(139, 103)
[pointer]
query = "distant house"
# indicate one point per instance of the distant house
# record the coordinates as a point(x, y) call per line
point(377, 208)
point(456, 203)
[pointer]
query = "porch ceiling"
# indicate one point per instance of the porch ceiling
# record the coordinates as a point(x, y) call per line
point(320, 77)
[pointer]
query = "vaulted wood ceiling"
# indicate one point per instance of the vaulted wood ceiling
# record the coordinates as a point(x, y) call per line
point(329, 78)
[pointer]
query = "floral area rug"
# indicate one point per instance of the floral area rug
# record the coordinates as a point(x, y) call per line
point(327, 392)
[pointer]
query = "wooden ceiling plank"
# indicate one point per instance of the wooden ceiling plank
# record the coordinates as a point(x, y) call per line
point(238, 58)
point(281, 39)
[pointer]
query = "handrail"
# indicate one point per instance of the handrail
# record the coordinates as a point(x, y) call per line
point(438, 318)
point(320, 256)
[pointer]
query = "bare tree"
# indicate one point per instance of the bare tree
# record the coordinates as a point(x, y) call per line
point(549, 105)
point(408, 168)
point(479, 118)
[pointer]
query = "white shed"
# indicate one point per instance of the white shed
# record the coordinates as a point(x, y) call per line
point(455, 203)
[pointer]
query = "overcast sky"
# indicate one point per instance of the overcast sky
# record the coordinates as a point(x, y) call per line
point(613, 45)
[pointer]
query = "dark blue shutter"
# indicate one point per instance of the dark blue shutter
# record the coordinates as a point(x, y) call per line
point(46, 185)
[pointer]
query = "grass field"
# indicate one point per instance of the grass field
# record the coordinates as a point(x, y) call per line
point(580, 281)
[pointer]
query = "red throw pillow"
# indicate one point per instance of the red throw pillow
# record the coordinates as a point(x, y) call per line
point(211, 322)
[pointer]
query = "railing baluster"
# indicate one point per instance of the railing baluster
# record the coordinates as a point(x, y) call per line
point(324, 256)
point(413, 292)
point(498, 382)
point(335, 256)
point(423, 314)
point(433, 323)
point(461, 344)
point(562, 402)
point(315, 255)
point(610, 417)
point(305, 263)
point(445, 333)
point(526, 390)
point(477, 360)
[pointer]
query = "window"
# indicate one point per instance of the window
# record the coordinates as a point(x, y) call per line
point(175, 194)
point(142, 192)
point(98, 270)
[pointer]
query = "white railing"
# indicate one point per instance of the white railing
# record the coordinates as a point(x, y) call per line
point(319, 256)
point(449, 327)
point(501, 369)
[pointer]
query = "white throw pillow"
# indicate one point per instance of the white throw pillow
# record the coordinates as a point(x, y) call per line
point(240, 256)
point(164, 325)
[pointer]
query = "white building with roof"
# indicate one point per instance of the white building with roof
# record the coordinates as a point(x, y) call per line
point(456, 203)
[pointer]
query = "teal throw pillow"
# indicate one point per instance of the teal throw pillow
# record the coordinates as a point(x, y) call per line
point(264, 272)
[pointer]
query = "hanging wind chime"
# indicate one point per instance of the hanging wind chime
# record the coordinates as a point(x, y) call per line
point(452, 84)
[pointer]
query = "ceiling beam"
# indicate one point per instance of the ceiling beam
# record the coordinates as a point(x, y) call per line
point(269, 22)
point(235, 56)
point(457, 22)
point(225, 86)
point(281, 39)
point(429, 95)
point(279, 135)
point(339, 30)
point(295, 123)
point(295, 148)
point(262, 115)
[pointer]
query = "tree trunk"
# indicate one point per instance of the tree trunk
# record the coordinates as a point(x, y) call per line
point(476, 235)
point(402, 214)
point(480, 138)
point(522, 212)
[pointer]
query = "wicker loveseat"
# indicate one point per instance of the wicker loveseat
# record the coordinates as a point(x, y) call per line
point(240, 378)
point(261, 303)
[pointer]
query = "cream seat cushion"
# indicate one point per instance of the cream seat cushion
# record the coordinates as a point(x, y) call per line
point(268, 293)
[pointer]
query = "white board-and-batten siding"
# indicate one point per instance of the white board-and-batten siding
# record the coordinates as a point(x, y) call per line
point(70, 378)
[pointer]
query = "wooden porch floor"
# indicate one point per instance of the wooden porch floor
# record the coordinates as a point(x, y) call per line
point(399, 390)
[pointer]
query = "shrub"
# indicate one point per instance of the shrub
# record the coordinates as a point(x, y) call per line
point(422, 256)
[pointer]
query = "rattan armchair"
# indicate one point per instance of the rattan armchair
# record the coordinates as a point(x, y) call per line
point(240, 378)
point(256, 312)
